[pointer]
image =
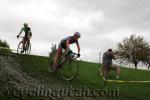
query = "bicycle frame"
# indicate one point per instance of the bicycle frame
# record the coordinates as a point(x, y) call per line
point(63, 60)
point(23, 39)
point(67, 57)
point(25, 45)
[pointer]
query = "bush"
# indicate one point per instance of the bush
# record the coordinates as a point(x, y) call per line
point(4, 47)
point(53, 52)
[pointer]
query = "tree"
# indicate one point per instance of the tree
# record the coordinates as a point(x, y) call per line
point(133, 49)
point(52, 54)
point(4, 44)
point(4, 47)
point(147, 59)
point(53, 50)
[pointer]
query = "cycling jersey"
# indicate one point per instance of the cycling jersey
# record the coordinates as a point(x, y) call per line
point(62, 44)
point(27, 31)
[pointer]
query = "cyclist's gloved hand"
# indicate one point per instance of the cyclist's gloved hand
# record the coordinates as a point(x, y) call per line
point(17, 36)
point(78, 55)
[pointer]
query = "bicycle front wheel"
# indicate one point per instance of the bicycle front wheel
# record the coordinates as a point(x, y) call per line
point(69, 69)
point(20, 45)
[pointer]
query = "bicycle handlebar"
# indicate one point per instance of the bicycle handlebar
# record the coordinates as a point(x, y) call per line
point(76, 55)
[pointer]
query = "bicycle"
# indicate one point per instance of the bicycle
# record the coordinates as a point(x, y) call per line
point(68, 65)
point(27, 48)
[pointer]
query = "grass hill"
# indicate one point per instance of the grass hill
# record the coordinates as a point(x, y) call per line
point(30, 72)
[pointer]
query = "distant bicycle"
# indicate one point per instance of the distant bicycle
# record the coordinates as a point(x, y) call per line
point(26, 49)
point(68, 65)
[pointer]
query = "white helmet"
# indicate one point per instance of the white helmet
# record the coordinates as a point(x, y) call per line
point(77, 34)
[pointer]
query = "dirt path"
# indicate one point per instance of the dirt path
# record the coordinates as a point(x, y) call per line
point(13, 76)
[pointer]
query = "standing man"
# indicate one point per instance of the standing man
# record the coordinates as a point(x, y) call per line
point(107, 64)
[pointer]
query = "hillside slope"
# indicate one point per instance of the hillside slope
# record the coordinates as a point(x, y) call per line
point(30, 72)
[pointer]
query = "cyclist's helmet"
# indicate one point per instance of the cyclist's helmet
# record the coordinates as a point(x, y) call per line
point(77, 34)
point(25, 24)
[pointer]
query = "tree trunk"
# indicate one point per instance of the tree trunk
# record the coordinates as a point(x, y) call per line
point(135, 64)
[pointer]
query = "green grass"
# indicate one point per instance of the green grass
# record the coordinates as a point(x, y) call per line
point(36, 66)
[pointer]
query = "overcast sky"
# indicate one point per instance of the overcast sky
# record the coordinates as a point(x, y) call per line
point(102, 23)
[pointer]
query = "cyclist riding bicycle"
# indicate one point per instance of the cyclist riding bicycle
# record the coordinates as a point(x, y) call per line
point(28, 35)
point(64, 44)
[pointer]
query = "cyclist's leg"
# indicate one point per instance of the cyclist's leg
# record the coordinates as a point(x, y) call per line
point(29, 37)
point(58, 54)
point(117, 69)
point(105, 71)
point(25, 42)
point(23, 45)
point(28, 41)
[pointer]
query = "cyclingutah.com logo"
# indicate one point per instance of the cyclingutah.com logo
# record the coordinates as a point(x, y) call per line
point(63, 92)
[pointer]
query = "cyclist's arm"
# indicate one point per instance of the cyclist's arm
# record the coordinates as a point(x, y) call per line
point(113, 56)
point(78, 47)
point(21, 31)
point(29, 33)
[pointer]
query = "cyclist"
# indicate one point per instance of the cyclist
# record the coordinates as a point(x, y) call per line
point(28, 35)
point(64, 44)
point(107, 64)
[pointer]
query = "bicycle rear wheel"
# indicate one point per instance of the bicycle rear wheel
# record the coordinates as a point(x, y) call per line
point(20, 45)
point(69, 69)
point(28, 48)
